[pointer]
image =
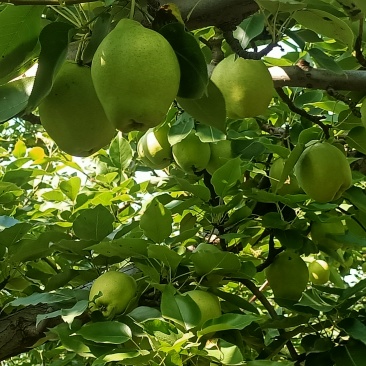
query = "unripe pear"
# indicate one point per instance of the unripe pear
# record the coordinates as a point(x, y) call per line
point(208, 304)
point(323, 172)
point(111, 293)
point(290, 186)
point(154, 148)
point(247, 86)
point(72, 114)
point(319, 272)
point(221, 152)
point(288, 275)
point(136, 76)
point(191, 154)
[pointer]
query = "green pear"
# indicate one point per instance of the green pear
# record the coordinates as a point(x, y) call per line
point(208, 304)
point(111, 293)
point(221, 152)
point(288, 275)
point(136, 76)
point(191, 154)
point(319, 272)
point(290, 186)
point(323, 172)
point(72, 114)
point(154, 148)
point(247, 86)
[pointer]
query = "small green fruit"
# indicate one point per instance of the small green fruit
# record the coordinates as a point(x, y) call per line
point(319, 272)
point(290, 186)
point(136, 76)
point(321, 230)
point(288, 276)
point(208, 304)
point(72, 114)
point(116, 290)
point(154, 148)
point(323, 172)
point(247, 86)
point(221, 152)
point(191, 154)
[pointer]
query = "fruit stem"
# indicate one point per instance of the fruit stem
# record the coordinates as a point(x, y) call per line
point(132, 9)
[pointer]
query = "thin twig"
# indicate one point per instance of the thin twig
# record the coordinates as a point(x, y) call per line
point(303, 113)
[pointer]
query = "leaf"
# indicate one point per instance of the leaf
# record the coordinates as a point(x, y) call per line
point(325, 61)
point(326, 24)
point(94, 223)
point(351, 354)
point(249, 28)
point(40, 298)
point(192, 63)
point(19, 29)
point(71, 187)
point(13, 234)
point(197, 190)
point(180, 129)
point(120, 152)
point(54, 40)
point(14, 97)
point(123, 248)
point(276, 6)
point(227, 322)
point(165, 255)
point(356, 138)
point(354, 328)
point(209, 134)
point(226, 176)
point(156, 221)
point(227, 353)
point(209, 109)
point(106, 332)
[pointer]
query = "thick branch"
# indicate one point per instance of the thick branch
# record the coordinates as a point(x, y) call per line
point(18, 331)
point(294, 76)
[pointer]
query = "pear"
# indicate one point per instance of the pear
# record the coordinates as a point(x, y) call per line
point(154, 149)
point(72, 114)
point(191, 154)
point(221, 152)
point(247, 86)
point(136, 76)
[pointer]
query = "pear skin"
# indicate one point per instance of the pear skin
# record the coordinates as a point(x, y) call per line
point(136, 76)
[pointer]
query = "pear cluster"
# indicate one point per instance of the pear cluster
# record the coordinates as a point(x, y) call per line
point(131, 84)
point(190, 154)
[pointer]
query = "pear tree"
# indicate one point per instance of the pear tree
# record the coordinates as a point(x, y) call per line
point(183, 182)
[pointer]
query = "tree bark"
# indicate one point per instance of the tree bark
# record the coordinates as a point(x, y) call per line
point(18, 331)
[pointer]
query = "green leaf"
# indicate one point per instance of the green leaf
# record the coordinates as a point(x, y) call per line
point(179, 308)
point(13, 234)
point(19, 29)
point(350, 354)
point(120, 152)
point(354, 328)
point(227, 353)
point(285, 6)
point(227, 322)
point(209, 109)
point(41, 298)
point(249, 28)
point(325, 61)
point(14, 97)
point(133, 357)
point(54, 40)
point(106, 332)
point(197, 190)
point(94, 223)
point(165, 255)
point(71, 187)
point(356, 138)
point(312, 299)
point(180, 129)
point(123, 248)
point(209, 134)
point(326, 24)
point(192, 63)
point(226, 176)
point(156, 221)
